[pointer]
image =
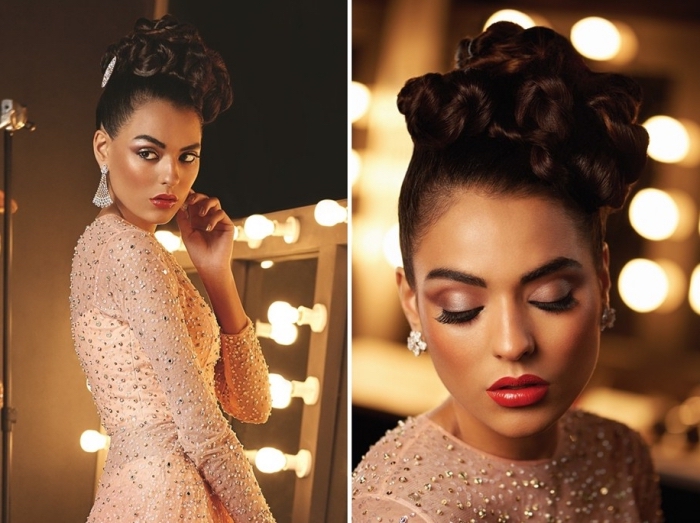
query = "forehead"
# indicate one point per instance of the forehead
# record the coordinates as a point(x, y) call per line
point(496, 236)
point(163, 120)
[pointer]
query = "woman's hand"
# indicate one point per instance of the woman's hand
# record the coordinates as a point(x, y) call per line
point(207, 233)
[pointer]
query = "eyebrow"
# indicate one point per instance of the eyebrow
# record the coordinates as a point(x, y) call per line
point(548, 268)
point(160, 144)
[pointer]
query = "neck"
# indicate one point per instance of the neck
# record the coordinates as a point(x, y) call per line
point(455, 420)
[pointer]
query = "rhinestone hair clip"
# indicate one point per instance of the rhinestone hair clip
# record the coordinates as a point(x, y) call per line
point(108, 71)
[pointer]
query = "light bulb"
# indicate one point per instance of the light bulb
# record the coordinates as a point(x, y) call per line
point(654, 214)
point(282, 312)
point(269, 460)
point(266, 264)
point(257, 227)
point(669, 140)
point(307, 390)
point(315, 317)
point(92, 441)
point(281, 333)
point(281, 391)
point(169, 240)
point(359, 97)
point(596, 38)
point(329, 213)
point(510, 15)
point(392, 247)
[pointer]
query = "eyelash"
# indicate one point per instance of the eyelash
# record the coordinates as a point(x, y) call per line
point(461, 317)
point(145, 154)
point(564, 304)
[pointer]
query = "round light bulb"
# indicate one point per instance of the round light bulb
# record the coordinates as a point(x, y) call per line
point(282, 312)
point(284, 333)
point(359, 98)
point(694, 290)
point(654, 214)
point(669, 140)
point(269, 460)
point(92, 441)
point(596, 38)
point(257, 227)
point(643, 285)
point(281, 391)
point(329, 213)
point(169, 240)
point(510, 15)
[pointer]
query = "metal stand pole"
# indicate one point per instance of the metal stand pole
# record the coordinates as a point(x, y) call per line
point(8, 413)
point(12, 118)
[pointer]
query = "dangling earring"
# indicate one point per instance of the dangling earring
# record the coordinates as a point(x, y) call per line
point(607, 319)
point(102, 198)
point(415, 344)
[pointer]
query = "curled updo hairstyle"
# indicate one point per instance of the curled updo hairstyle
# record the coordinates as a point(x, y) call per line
point(162, 60)
point(521, 114)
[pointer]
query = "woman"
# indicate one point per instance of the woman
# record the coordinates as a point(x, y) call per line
point(520, 153)
point(157, 358)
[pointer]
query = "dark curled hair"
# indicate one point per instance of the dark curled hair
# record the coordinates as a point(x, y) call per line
point(162, 59)
point(521, 113)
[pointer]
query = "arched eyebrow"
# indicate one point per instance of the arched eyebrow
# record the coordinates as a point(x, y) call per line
point(555, 265)
point(160, 144)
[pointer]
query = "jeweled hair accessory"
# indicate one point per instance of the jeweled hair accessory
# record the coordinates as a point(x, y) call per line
point(108, 71)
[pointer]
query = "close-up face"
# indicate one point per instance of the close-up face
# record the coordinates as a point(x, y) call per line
point(506, 287)
point(153, 162)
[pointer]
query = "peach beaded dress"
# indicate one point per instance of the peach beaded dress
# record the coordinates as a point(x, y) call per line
point(418, 473)
point(150, 348)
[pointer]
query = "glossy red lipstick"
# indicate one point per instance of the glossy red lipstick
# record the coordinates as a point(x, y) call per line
point(164, 201)
point(518, 392)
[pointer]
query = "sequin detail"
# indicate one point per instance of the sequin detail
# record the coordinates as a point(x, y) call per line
point(417, 472)
point(150, 348)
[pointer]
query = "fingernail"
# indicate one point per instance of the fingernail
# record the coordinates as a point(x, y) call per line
point(208, 228)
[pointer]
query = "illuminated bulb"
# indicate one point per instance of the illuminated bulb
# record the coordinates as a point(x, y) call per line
point(258, 227)
point(329, 213)
point(694, 290)
point(596, 38)
point(266, 264)
point(92, 441)
point(654, 214)
point(392, 247)
point(282, 333)
point(669, 140)
point(354, 166)
point(359, 98)
point(281, 312)
point(283, 390)
point(510, 15)
point(269, 460)
point(647, 285)
point(169, 240)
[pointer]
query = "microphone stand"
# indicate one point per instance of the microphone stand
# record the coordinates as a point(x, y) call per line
point(12, 118)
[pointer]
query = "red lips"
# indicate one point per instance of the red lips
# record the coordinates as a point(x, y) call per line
point(523, 391)
point(164, 201)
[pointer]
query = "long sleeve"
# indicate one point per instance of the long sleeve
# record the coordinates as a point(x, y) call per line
point(135, 275)
point(242, 378)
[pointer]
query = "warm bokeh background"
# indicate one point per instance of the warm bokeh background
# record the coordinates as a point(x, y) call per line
point(650, 362)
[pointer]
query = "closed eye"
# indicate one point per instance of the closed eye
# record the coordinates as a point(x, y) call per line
point(566, 303)
point(456, 317)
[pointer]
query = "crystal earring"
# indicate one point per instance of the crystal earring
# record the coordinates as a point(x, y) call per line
point(415, 344)
point(607, 319)
point(102, 198)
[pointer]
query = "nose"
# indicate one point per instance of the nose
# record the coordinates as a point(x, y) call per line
point(170, 174)
point(511, 337)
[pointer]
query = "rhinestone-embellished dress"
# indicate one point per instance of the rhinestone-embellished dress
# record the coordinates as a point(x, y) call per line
point(418, 472)
point(157, 367)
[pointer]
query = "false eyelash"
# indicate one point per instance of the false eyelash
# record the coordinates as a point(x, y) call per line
point(564, 304)
point(449, 317)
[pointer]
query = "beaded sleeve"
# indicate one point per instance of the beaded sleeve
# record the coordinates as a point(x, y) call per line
point(137, 279)
point(647, 491)
point(241, 377)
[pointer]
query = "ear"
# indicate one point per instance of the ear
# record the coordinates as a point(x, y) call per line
point(604, 274)
point(100, 146)
point(407, 296)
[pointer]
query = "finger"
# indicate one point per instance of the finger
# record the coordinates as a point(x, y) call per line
point(217, 219)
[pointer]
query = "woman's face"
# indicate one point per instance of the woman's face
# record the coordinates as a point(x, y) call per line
point(153, 162)
point(506, 287)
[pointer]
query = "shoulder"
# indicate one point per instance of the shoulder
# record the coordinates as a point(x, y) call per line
point(592, 431)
